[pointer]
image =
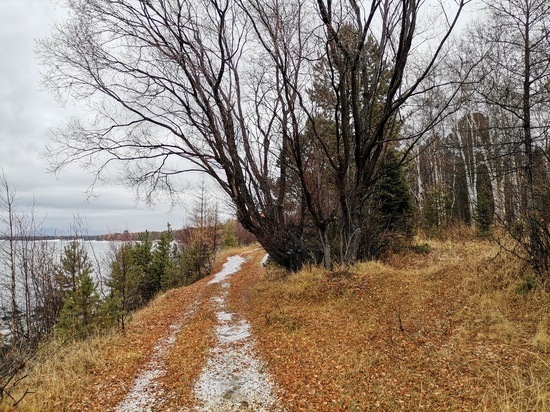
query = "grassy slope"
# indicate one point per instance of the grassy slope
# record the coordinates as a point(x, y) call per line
point(438, 331)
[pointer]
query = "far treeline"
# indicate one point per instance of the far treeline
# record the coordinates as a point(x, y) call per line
point(181, 235)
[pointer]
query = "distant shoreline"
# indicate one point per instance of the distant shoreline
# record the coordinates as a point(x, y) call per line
point(124, 236)
point(54, 237)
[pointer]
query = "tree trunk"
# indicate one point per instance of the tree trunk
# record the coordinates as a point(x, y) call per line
point(287, 248)
point(327, 252)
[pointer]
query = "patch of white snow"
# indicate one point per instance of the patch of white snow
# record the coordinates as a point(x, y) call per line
point(233, 378)
point(232, 265)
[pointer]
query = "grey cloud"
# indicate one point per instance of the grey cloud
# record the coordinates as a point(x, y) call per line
point(26, 116)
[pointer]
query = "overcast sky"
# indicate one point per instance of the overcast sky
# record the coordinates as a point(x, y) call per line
point(27, 113)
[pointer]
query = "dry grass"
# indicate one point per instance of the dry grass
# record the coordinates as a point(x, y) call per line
point(62, 372)
point(94, 375)
point(454, 329)
point(445, 330)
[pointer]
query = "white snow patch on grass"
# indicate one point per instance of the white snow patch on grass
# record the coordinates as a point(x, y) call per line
point(233, 379)
point(224, 316)
point(232, 265)
point(233, 332)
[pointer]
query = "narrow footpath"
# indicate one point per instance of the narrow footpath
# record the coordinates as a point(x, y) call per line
point(232, 378)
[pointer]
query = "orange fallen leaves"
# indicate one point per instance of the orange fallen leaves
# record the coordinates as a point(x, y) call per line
point(440, 331)
point(384, 337)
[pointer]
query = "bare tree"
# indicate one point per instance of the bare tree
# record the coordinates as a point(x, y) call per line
point(513, 91)
point(10, 220)
point(222, 87)
point(29, 284)
point(178, 81)
point(366, 74)
point(31, 272)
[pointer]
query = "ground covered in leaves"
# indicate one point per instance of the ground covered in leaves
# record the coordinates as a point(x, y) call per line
point(442, 326)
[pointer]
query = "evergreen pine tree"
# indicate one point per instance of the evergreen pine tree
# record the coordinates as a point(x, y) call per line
point(484, 212)
point(229, 234)
point(74, 262)
point(164, 258)
point(388, 224)
point(78, 315)
point(124, 285)
point(142, 261)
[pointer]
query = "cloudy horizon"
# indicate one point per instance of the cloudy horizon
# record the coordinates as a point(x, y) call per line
point(28, 114)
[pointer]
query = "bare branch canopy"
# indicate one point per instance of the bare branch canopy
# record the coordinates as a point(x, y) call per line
point(233, 89)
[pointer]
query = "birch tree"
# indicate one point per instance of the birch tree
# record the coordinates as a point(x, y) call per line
point(10, 220)
point(514, 87)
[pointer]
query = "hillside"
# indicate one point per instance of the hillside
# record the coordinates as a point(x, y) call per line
point(446, 326)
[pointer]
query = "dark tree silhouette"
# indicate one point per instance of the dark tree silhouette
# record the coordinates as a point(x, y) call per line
point(221, 87)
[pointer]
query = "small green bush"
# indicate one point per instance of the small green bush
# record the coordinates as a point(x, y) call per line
point(422, 248)
point(527, 284)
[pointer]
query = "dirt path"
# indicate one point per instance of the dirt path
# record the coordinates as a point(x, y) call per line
point(146, 391)
point(233, 378)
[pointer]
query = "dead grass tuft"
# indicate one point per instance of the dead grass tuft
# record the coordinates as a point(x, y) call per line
point(275, 272)
point(442, 330)
point(64, 371)
point(541, 340)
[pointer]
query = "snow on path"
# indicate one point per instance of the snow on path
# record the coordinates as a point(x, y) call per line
point(230, 267)
point(233, 378)
point(147, 391)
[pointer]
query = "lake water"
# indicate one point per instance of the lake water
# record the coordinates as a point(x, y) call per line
point(99, 254)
